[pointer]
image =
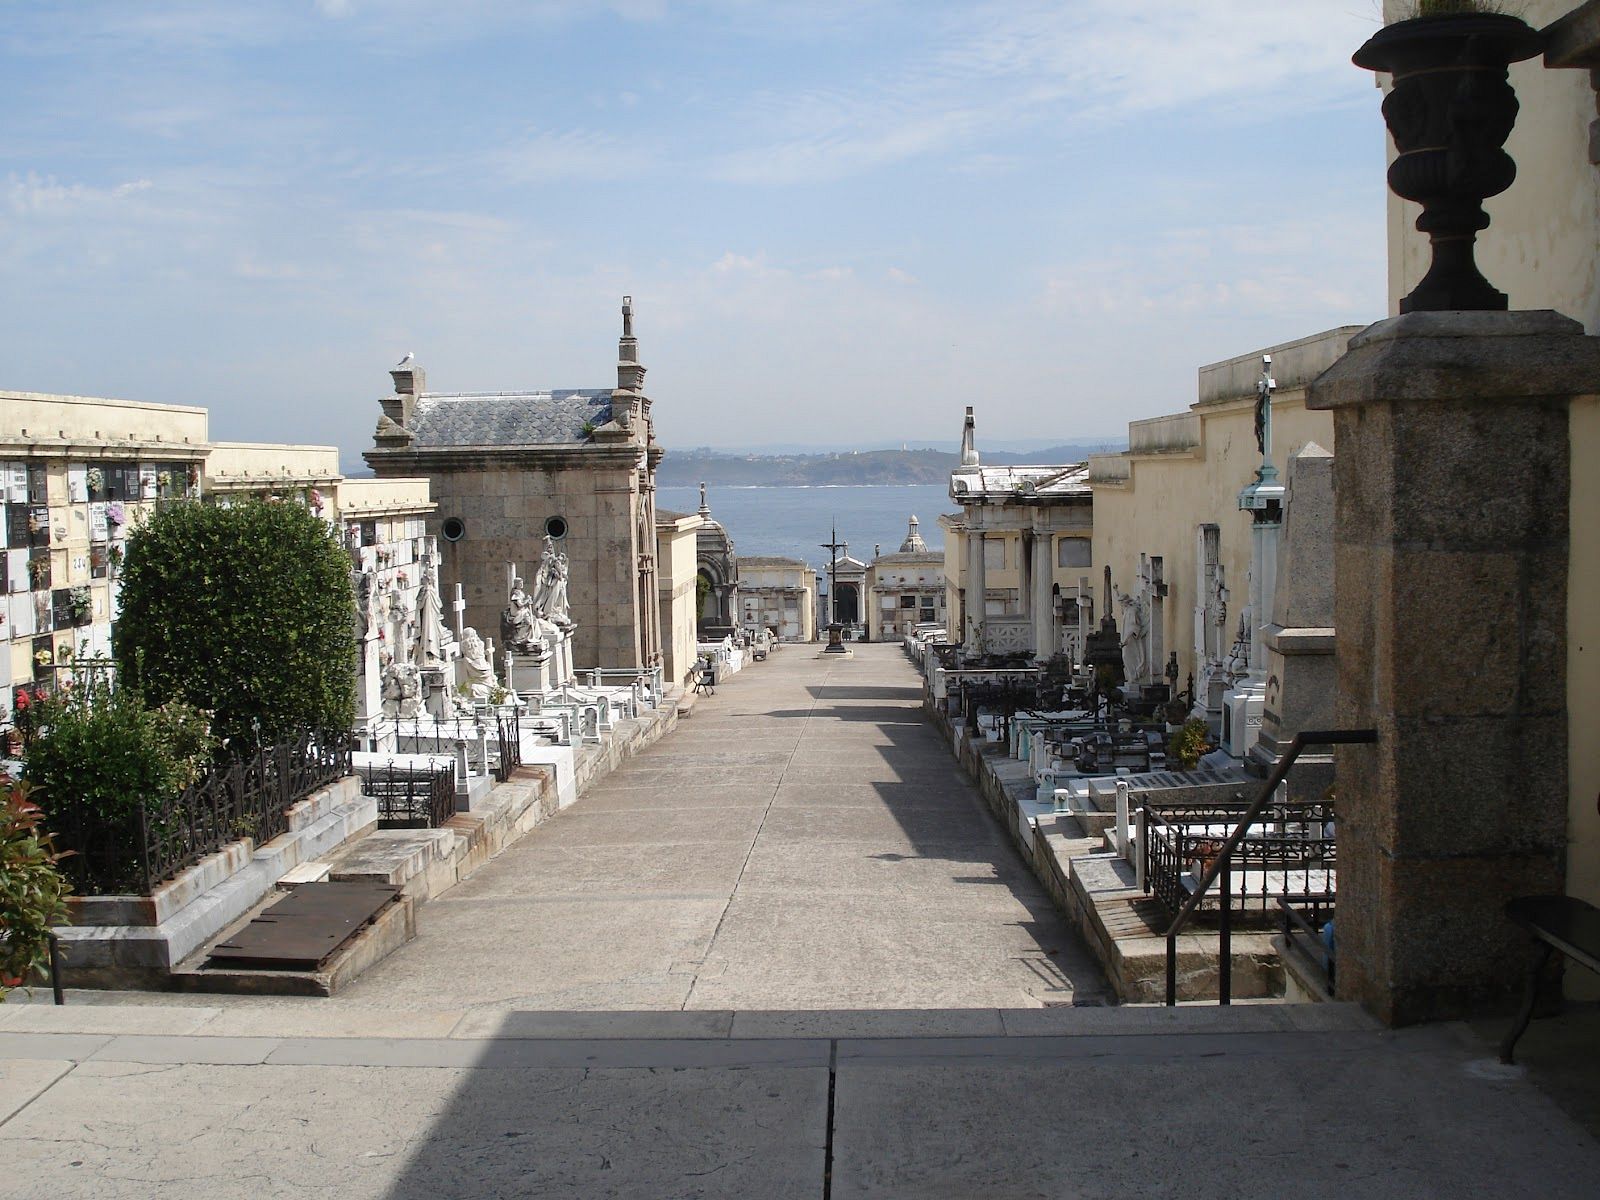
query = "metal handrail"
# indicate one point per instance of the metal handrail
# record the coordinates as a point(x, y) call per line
point(1221, 864)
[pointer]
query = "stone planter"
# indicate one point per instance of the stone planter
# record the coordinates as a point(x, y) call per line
point(1450, 112)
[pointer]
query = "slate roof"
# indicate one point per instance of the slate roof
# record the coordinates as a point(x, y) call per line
point(509, 418)
point(758, 560)
point(911, 556)
point(667, 514)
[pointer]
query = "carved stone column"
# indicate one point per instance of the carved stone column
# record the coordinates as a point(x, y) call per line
point(1045, 640)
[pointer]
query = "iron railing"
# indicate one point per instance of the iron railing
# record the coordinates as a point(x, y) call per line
point(1220, 865)
point(411, 797)
point(1301, 920)
point(510, 738)
point(1293, 856)
point(134, 852)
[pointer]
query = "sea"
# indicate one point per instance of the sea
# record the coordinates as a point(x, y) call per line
point(796, 521)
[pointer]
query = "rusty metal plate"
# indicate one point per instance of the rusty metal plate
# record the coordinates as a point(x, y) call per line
point(301, 931)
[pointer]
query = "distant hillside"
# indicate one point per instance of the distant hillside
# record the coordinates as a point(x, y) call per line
point(687, 467)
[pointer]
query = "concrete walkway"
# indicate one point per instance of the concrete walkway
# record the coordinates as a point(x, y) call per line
point(803, 840)
point(843, 982)
point(1264, 1101)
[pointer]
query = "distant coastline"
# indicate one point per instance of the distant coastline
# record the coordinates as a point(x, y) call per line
point(863, 468)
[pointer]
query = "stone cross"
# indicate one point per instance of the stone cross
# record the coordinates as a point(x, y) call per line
point(459, 607)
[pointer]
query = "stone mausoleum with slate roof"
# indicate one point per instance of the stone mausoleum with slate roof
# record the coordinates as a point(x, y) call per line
point(508, 468)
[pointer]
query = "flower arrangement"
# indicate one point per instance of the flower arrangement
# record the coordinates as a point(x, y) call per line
point(164, 480)
point(96, 479)
point(82, 605)
point(315, 497)
point(115, 514)
point(114, 557)
point(42, 658)
point(39, 572)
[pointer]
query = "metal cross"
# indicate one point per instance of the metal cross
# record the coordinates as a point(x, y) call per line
point(1264, 389)
point(835, 545)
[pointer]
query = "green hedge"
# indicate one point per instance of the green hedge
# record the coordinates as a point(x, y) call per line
point(244, 610)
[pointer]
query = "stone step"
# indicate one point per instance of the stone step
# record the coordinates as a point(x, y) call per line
point(306, 872)
point(98, 1014)
point(394, 927)
point(395, 856)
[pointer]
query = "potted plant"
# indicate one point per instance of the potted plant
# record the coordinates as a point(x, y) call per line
point(1450, 111)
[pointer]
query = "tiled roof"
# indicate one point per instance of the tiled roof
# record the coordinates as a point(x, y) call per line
point(509, 418)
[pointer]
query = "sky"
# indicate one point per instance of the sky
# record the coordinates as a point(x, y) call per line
point(838, 219)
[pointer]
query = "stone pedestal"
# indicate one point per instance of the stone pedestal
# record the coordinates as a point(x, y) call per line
point(1299, 640)
point(1452, 481)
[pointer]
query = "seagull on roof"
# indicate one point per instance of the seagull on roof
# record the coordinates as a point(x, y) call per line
point(409, 356)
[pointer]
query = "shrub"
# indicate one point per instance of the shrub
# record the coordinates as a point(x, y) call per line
point(96, 756)
point(32, 892)
point(1190, 743)
point(245, 611)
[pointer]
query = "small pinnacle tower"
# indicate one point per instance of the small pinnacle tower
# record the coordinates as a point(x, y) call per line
point(969, 449)
point(913, 543)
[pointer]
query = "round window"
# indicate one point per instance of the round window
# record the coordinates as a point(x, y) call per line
point(556, 527)
point(453, 529)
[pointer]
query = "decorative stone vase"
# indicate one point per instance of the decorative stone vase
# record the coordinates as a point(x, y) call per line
point(1450, 111)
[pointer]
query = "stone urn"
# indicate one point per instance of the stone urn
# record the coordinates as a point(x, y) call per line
point(1450, 112)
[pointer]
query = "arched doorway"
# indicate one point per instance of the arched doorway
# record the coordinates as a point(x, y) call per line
point(706, 595)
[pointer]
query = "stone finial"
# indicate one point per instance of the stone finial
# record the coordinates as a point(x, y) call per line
point(913, 543)
point(629, 394)
point(410, 381)
point(969, 449)
point(705, 509)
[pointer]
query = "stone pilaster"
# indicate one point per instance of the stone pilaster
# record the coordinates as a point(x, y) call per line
point(977, 591)
point(1451, 483)
point(1045, 640)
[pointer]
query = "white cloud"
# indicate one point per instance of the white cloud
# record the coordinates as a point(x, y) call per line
point(1025, 64)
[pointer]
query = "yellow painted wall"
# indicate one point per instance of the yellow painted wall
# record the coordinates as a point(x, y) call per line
point(1168, 496)
point(36, 417)
point(675, 581)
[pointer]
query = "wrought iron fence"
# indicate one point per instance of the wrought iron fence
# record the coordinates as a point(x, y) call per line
point(510, 739)
point(1291, 853)
point(135, 851)
point(411, 797)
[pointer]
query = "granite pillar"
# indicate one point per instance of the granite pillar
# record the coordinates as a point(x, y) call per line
point(1451, 524)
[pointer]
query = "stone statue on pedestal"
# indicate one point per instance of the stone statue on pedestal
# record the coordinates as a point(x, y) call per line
point(550, 587)
point(519, 623)
point(402, 690)
point(432, 636)
point(477, 672)
point(1135, 627)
